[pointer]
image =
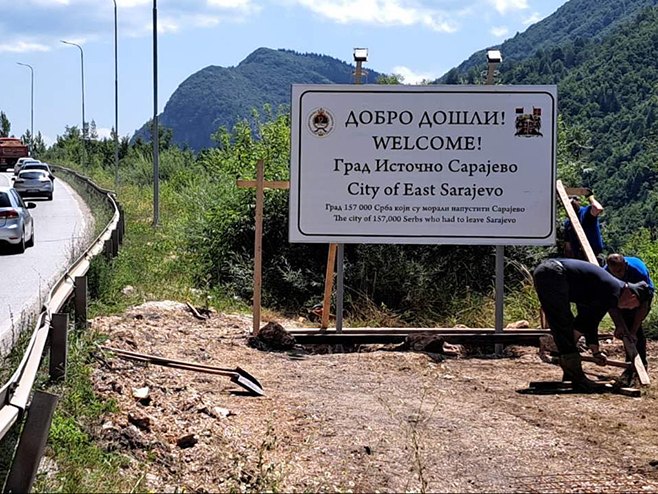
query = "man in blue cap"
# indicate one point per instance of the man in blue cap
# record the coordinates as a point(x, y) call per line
point(561, 282)
point(633, 270)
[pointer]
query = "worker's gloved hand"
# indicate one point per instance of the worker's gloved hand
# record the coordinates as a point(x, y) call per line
point(588, 193)
point(600, 358)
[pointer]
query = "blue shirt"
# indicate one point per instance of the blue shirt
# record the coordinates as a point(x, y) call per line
point(636, 271)
point(591, 227)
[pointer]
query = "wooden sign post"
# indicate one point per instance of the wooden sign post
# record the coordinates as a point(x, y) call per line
point(260, 185)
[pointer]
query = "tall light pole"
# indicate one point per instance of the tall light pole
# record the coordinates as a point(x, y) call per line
point(116, 98)
point(31, 102)
point(494, 58)
point(360, 56)
point(155, 132)
point(82, 72)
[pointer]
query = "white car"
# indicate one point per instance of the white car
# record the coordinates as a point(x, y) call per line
point(31, 165)
point(21, 162)
point(16, 223)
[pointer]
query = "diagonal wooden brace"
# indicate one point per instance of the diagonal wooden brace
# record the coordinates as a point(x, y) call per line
point(636, 361)
point(631, 350)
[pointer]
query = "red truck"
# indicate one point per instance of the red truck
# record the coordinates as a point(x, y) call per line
point(11, 149)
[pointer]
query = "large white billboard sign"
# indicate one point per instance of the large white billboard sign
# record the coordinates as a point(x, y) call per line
point(423, 164)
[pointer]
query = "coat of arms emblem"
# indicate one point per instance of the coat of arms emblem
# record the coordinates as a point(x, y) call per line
point(528, 124)
point(320, 122)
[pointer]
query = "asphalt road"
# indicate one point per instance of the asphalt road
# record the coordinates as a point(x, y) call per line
point(25, 279)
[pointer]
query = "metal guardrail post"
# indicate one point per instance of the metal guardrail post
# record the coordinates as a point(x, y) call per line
point(15, 393)
point(121, 227)
point(58, 346)
point(107, 249)
point(32, 443)
point(115, 242)
point(80, 301)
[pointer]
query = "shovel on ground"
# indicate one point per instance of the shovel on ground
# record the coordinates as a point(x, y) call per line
point(238, 375)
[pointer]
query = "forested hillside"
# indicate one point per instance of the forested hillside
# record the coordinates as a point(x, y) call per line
point(217, 97)
point(606, 140)
point(576, 19)
point(607, 88)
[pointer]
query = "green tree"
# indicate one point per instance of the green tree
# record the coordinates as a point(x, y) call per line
point(5, 125)
point(390, 79)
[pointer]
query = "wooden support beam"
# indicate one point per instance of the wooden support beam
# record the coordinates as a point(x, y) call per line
point(270, 184)
point(260, 185)
point(631, 349)
point(328, 285)
point(258, 245)
point(577, 191)
point(575, 223)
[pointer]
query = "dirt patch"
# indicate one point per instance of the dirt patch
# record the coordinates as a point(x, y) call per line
point(375, 421)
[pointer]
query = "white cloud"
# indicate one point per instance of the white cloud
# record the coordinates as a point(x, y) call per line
point(411, 77)
point(231, 4)
point(383, 12)
point(535, 17)
point(499, 31)
point(104, 133)
point(128, 4)
point(47, 3)
point(503, 6)
point(22, 47)
point(168, 24)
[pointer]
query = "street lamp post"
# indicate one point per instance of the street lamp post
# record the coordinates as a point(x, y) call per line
point(116, 98)
point(494, 58)
point(155, 132)
point(82, 72)
point(360, 56)
point(31, 103)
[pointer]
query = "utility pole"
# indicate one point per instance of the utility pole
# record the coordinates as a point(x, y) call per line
point(155, 132)
point(30, 144)
point(116, 98)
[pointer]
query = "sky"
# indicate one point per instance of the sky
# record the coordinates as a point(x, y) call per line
point(418, 39)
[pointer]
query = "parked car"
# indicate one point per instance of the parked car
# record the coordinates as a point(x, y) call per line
point(29, 165)
point(21, 161)
point(33, 183)
point(16, 223)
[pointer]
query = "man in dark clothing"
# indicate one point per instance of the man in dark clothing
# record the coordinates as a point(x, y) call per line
point(558, 283)
point(588, 216)
point(633, 270)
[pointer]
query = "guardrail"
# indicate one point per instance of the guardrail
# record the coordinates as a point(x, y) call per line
point(15, 394)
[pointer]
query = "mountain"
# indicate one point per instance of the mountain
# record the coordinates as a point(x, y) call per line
point(607, 89)
point(221, 96)
point(576, 19)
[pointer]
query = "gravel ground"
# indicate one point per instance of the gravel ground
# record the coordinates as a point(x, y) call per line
point(373, 421)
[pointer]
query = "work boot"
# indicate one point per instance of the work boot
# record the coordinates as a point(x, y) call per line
point(567, 376)
point(572, 366)
point(626, 378)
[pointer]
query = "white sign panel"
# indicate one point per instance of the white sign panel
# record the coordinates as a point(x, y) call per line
point(423, 164)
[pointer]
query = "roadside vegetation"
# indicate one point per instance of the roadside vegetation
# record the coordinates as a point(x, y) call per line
point(201, 251)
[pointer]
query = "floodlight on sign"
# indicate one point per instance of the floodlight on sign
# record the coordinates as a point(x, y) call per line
point(360, 54)
point(494, 56)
